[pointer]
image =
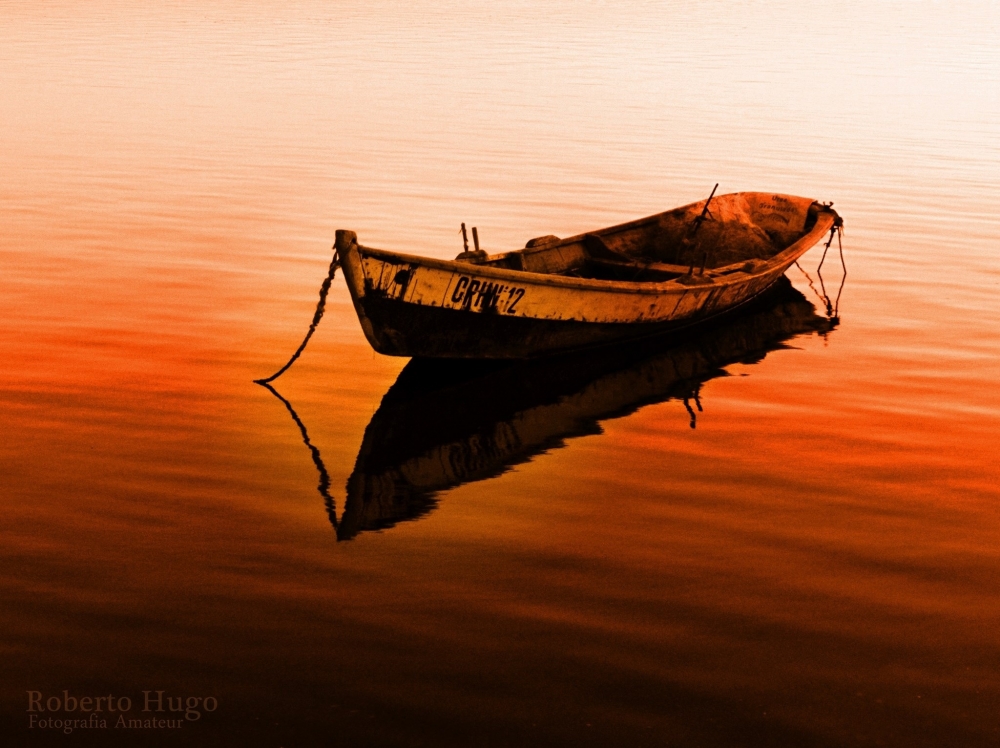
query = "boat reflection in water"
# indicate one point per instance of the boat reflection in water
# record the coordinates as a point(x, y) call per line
point(446, 423)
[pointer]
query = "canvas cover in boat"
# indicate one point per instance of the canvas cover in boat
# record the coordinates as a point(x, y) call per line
point(738, 227)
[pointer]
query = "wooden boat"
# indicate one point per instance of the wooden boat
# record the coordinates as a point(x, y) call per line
point(647, 277)
point(443, 424)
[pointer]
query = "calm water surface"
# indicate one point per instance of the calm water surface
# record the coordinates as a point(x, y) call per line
point(533, 555)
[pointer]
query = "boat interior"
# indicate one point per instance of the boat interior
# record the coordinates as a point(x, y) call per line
point(728, 234)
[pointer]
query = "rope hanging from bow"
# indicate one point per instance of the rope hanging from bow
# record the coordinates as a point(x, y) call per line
point(320, 308)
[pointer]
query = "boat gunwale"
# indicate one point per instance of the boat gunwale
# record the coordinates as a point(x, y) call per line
point(717, 277)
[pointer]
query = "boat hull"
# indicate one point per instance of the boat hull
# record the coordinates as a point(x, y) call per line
point(436, 429)
point(423, 307)
point(404, 329)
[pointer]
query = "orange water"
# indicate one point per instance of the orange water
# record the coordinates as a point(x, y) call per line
point(816, 563)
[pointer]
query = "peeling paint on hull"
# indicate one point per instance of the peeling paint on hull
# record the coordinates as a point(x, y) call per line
point(404, 329)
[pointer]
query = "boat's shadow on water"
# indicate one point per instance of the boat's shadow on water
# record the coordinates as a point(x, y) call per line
point(446, 423)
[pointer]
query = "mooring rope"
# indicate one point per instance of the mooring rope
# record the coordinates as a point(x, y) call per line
point(812, 286)
point(323, 291)
point(832, 306)
point(819, 272)
point(695, 394)
point(840, 246)
point(317, 458)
